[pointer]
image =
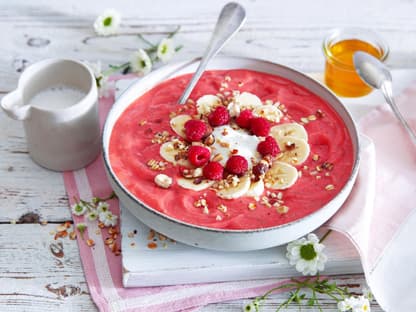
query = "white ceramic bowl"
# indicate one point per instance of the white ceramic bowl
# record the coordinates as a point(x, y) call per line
point(219, 239)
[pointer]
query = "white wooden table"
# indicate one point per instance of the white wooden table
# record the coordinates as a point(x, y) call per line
point(32, 278)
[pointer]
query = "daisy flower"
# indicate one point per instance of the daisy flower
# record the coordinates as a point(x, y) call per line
point(108, 218)
point(307, 255)
point(79, 209)
point(92, 215)
point(107, 23)
point(354, 304)
point(102, 207)
point(140, 62)
point(165, 50)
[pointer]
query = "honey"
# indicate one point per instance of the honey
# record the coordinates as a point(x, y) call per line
point(340, 75)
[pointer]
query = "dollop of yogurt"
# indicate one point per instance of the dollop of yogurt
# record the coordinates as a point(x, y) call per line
point(229, 141)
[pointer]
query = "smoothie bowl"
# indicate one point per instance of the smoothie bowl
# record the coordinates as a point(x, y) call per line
point(259, 155)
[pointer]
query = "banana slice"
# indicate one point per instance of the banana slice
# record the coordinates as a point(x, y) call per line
point(206, 103)
point(177, 124)
point(268, 111)
point(256, 188)
point(191, 185)
point(248, 100)
point(294, 151)
point(280, 176)
point(170, 151)
point(236, 191)
point(293, 130)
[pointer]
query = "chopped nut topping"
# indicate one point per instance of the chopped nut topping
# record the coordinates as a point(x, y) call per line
point(218, 218)
point(240, 84)
point(319, 113)
point(157, 164)
point(252, 206)
point(90, 242)
point(209, 140)
point(282, 209)
point(327, 166)
point(224, 144)
point(109, 241)
point(304, 120)
point(161, 137)
point(227, 78)
point(72, 235)
point(151, 235)
point(329, 187)
point(311, 117)
point(217, 157)
point(315, 157)
point(222, 208)
point(142, 123)
point(290, 146)
point(152, 245)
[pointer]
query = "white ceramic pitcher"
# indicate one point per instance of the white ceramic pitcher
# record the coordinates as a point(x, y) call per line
point(64, 138)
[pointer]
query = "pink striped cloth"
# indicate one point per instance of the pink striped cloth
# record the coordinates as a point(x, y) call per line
point(371, 222)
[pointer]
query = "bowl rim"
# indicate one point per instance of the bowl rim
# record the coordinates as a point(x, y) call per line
point(182, 65)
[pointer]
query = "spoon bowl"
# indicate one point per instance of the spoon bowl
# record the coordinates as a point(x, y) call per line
point(373, 72)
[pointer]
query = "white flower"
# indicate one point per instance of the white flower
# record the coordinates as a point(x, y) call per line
point(367, 293)
point(102, 207)
point(107, 23)
point(92, 215)
point(354, 304)
point(108, 218)
point(165, 50)
point(101, 79)
point(79, 209)
point(141, 62)
point(307, 255)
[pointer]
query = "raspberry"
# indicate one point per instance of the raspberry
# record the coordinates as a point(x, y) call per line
point(268, 147)
point(195, 130)
point(260, 126)
point(219, 117)
point(213, 171)
point(198, 155)
point(243, 120)
point(237, 164)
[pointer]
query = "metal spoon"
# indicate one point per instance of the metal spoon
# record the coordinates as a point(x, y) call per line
point(231, 19)
point(377, 75)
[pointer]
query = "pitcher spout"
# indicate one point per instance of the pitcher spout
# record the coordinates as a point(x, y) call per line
point(12, 104)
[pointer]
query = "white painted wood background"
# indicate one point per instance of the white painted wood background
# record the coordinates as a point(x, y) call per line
point(32, 278)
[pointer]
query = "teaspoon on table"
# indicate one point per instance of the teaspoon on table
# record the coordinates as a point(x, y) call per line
point(377, 75)
point(230, 20)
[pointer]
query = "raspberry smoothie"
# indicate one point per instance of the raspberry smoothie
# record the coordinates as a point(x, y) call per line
point(249, 150)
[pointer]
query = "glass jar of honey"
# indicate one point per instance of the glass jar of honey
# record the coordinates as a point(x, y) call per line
point(339, 47)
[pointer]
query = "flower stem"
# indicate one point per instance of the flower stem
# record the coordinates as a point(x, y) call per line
point(325, 236)
point(173, 33)
point(147, 41)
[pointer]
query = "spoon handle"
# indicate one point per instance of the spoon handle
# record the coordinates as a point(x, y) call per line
point(229, 22)
point(387, 89)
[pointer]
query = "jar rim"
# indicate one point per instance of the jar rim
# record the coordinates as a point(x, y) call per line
point(367, 35)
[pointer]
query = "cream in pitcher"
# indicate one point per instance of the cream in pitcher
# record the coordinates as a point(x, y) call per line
point(57, 101)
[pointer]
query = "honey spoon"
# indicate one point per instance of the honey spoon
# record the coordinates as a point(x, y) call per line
point(377, 75)
point(230, 20)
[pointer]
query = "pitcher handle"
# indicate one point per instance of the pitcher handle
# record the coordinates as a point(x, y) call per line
point(12, 105)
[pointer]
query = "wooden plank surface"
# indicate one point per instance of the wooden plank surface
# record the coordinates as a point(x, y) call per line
point(31, 277)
